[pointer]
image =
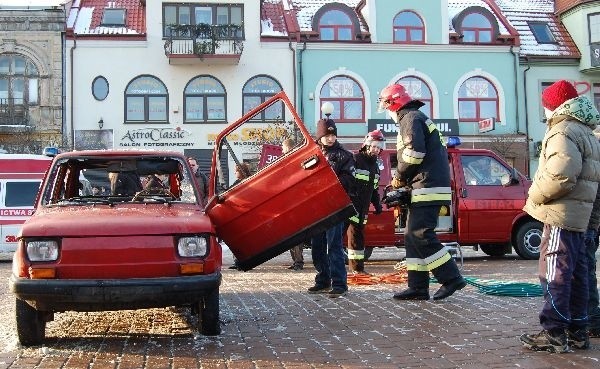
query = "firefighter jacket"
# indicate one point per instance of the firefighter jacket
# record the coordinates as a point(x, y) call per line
point(422, 158)
point(342, 163)
point(366, 176)
point(565, 184)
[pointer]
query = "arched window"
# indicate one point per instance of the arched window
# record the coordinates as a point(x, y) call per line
point(418, 90)
point(146, 101)
point(347, 98)
point(256, 91)
point(477, 100)
point(408, 28)
point(336, 25)
point(476, 28)
point(204, 100)
point(19, 88)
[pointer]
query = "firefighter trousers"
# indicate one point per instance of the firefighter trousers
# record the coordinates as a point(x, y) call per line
point(356, 247)
point(424, 251)
point(563, 271)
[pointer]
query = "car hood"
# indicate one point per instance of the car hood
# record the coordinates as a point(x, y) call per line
point(84, 221)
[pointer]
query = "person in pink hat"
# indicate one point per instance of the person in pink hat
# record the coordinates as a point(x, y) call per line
point(562, 195)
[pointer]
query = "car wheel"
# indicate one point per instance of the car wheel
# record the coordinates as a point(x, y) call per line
point(208, 317)
point(31, 325)
point(368, 252)
point(528, 240)
point(493, 250)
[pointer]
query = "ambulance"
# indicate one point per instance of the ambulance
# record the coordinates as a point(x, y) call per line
point(20, 178)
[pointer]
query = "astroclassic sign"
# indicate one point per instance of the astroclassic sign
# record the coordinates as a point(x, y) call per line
point(447, 127)
point(156, 138)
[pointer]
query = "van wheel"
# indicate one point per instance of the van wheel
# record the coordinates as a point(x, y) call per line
point(31, 325)
point(493, 250)
point(208, 317)
point(528, 239)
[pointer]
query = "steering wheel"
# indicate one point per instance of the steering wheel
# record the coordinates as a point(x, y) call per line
point(153, 192)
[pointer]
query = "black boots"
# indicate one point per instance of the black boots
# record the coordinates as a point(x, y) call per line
point(413, 294)
point(449, 288)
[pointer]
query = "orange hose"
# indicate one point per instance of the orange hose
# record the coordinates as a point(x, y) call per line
point(398, 277)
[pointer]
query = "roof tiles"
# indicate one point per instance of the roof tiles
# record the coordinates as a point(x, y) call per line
point(86, 18)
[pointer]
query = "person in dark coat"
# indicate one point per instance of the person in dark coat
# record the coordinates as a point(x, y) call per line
point(423, 167)
point(366, 164)
point(327, 248)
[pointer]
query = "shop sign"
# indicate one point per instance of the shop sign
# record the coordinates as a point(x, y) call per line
point(157, 138)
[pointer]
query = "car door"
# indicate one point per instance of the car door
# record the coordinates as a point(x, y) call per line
point(489, 200)
point(281, 203)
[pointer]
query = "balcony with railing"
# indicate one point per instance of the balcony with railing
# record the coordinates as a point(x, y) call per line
point(204, 44)
point(13, 112)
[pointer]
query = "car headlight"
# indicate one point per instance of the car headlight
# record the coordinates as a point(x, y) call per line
point(44, 250)
point(192, 246)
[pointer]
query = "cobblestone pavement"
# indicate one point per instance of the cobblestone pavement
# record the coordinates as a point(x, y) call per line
point(269, 321)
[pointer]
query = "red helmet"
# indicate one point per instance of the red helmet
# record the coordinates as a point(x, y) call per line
point(393, 98)
point(374, 138)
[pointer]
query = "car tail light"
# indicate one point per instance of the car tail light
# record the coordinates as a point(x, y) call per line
point(42, 250)
point(192, 246)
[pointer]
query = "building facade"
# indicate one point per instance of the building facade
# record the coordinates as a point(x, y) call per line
point(31, 77)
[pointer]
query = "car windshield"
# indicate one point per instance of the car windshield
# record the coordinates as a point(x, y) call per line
point(111, 180)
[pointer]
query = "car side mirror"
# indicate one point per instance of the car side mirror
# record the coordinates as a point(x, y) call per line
point(510, 179)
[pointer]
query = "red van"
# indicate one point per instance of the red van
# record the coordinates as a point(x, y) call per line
point(488, 196)
point(20, 178)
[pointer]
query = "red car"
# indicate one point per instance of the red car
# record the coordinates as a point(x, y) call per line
point(138, 236)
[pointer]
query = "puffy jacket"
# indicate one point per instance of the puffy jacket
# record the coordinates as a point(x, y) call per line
point(366, 186)
point(422, 158)
point(565, 184)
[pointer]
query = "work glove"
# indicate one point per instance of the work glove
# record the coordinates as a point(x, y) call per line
point(378, 209)
point(590, 237)
point(397, 183)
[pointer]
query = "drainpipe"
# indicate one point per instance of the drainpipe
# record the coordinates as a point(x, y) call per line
point(72, 88)
point(526, 116)
point(293, 69)
point(301, 83)
point(517, 111)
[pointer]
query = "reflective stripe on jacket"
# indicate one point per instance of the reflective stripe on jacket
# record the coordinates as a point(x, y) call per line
point(422, 159)
point(366, 175)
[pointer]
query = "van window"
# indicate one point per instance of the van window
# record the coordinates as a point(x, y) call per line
point(21, 194)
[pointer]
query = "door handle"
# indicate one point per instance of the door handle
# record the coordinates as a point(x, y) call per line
point(310, 162)
point(463, 192)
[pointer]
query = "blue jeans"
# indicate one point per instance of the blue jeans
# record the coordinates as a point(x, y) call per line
point(328, 258)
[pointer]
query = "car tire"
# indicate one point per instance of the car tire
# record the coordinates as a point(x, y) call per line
point(528, 239)
point(208, 316)
point(493, 250)
point(31, 325)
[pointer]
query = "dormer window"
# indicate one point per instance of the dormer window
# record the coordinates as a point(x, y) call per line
point(476, 25)
point(113, 17)
point(408, 28)
point(336, 22)
point(542, 33)
point(476, 28)
point(335, 25)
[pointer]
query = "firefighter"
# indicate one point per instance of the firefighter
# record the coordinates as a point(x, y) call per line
point(423, 167)
point(367, 184)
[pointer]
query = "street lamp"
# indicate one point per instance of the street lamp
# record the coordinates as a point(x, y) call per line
point(100, 123)
point(327, 108)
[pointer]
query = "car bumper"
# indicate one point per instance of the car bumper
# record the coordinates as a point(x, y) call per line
point(122, 294)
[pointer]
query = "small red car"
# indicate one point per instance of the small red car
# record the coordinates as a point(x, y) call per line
point(138, 236)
